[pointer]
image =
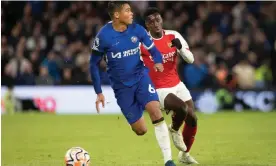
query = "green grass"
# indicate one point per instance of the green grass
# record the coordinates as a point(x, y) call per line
point(244, 139)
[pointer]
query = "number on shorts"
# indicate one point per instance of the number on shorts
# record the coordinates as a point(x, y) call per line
point(151, 89)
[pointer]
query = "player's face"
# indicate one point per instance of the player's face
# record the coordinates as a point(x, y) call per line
point(125, 14)
point(154, 23)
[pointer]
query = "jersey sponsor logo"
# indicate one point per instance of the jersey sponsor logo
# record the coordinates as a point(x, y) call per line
point(118, 55)
point(134, 39)
point(96, 44)
point(166, 57)
point(126, 53)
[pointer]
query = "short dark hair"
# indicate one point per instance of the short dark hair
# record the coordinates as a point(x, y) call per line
point(150, 11)
point(115, 5)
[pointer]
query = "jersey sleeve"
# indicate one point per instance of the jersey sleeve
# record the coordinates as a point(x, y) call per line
point(99, 43)
point(185, 52)
point(145, 38)
point(98, 50)
point(143, 50)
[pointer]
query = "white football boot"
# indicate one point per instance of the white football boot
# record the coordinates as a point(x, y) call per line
point(186, 158)
point(177, 139)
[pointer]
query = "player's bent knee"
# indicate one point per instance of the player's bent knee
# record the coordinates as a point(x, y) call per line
point(140, 131)
point(139, 127)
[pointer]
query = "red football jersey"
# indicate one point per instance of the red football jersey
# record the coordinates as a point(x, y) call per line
point(169, 77)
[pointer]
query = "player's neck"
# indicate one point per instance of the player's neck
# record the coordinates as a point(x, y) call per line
point(119, 26)
point(156, 35)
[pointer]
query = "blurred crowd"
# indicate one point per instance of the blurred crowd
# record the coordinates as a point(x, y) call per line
point(48, 43)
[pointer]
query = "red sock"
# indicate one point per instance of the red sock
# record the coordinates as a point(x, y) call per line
point(188, 134)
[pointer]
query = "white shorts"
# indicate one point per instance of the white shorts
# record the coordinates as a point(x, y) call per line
point(179, 90)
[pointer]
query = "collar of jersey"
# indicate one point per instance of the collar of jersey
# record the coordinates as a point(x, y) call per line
point(117, 32)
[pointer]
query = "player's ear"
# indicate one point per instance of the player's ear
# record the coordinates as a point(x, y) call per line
point(116, 15)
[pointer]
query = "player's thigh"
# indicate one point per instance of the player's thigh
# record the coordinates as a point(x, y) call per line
point(148, 98)
point(130, 108)
point(163, 93)
point(174, 103)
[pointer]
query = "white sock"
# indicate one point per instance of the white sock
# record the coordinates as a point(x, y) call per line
point(163, 139)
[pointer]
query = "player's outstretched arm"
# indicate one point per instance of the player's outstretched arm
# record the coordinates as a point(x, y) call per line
point(98, 50)
point(95, 76)
point(180, 43)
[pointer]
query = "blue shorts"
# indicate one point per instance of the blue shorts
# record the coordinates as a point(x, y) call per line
point(132, 100)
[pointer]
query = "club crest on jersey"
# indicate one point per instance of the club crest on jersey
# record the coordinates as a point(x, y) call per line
point(134, 39)
point(170, 44)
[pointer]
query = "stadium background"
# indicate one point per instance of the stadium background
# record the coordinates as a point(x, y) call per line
point(48, 44)
point(45, 49)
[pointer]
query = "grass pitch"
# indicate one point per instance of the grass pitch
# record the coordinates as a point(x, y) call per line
point(238, 139)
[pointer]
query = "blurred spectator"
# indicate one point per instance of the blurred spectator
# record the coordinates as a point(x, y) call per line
point(15, 35)
point(6, 52)
point(80, 75)
point(36, 39)
point(67, 77)
point(44, 78)
point(52, 66)
point(35, 61)
point(245, 74)
point(18, 63)
point(8, 77)
point(26, 77)
point(221, 73)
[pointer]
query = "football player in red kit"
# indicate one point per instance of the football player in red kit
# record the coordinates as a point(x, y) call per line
point(173, 94)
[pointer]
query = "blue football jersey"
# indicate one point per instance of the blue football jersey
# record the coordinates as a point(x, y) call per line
point(122, 50)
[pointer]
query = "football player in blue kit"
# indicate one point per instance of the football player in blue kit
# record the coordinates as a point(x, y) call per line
point(119, 40)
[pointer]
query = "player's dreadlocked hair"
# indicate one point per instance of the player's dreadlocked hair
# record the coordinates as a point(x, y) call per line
point(115, 5)
point(150, 11)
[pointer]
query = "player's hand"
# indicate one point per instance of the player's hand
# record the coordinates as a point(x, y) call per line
point(159, 67)
point(176, 43)
point(100, 99)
